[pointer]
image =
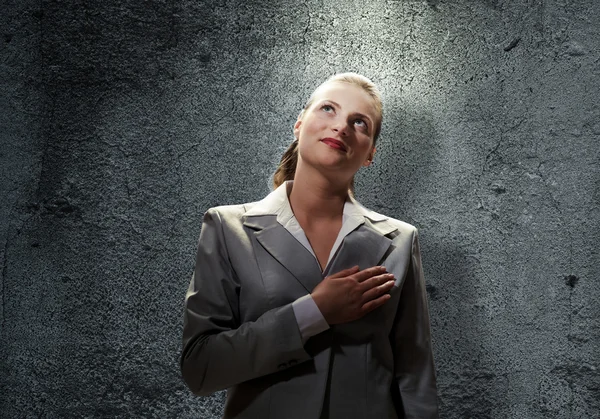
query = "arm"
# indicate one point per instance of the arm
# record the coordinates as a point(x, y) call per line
point(218, 351)
point(411, 343)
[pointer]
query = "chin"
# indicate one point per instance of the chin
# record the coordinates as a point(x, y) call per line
point(333, 161)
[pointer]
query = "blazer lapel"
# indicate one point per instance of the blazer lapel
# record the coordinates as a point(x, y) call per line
point(366, 247)
point(280, 244)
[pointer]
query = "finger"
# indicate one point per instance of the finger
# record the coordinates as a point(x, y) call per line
point(345, 272)
point(369, 272)
point(375, 281)
point(377, 291)
point(373, 304)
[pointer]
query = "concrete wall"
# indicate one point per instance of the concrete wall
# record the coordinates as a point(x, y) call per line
point(121, 122)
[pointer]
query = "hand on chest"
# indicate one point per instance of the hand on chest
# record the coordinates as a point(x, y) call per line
point(287, 270)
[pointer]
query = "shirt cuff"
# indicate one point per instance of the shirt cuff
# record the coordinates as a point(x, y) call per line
point(309, 318)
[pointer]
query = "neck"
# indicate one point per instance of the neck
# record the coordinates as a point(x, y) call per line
point(314, 198)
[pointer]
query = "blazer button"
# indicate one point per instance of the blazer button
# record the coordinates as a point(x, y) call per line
point(282, 365)
point(293, 362)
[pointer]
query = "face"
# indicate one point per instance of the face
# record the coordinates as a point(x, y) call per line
point(336, 132)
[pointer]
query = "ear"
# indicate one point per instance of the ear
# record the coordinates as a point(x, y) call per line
point(298, 123)
point(369, 159)
point(297, 127)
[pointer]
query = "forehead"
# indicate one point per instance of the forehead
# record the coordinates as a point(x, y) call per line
point(350, 97)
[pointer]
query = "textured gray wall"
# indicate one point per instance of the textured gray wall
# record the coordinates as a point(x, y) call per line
point(121, 122)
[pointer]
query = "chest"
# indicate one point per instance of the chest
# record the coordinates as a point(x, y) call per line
point(321, 239)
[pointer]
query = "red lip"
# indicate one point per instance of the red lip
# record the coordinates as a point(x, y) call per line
point(334, 143)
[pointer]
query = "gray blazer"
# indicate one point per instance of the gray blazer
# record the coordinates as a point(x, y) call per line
point(240, 332)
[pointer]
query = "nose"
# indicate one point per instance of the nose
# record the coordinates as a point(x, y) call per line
point(340, 126)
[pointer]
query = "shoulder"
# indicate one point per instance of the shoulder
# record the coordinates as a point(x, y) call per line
point(225, 221)
point(403, 226)
point(383, 220)
point(405, 236)
point(228, 211)
point(228, 214)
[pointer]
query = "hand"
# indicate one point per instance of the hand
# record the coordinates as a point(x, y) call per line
point(350, 294)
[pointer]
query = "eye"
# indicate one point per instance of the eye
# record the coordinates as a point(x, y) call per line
point(327, 108)
point(360, 123)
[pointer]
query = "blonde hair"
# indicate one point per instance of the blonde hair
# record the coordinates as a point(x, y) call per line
point(287, 165)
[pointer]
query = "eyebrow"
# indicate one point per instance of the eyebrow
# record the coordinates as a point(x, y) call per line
point(356, 113)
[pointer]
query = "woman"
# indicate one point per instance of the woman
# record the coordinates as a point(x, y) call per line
point(306, 304)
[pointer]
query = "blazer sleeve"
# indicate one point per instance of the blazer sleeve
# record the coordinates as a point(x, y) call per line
point(411, 342)
point(219, 352)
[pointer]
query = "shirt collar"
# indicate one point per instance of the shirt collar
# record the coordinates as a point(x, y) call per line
point(277, 203)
